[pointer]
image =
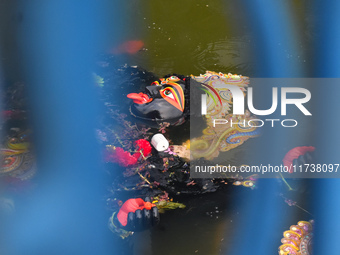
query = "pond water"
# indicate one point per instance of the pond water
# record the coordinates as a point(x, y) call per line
point(189, 38)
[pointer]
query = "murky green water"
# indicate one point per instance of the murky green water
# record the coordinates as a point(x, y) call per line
point(190, 37)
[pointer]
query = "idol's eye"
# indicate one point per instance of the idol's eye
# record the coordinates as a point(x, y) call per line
point(173, 78)
point(167, 92)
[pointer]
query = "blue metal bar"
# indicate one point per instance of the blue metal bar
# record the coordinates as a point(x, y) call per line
point(327, 64)
point(263, 213)
point(66, 213)
point(274, 38)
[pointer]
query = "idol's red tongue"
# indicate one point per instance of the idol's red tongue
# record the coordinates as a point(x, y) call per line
point(139, 98)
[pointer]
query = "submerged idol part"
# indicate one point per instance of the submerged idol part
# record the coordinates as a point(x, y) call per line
point(163, 101)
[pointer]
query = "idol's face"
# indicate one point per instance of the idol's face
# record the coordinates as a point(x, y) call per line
point(161, 101)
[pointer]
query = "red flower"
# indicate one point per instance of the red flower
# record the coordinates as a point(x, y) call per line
point(124, 158)
point(144, 146)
